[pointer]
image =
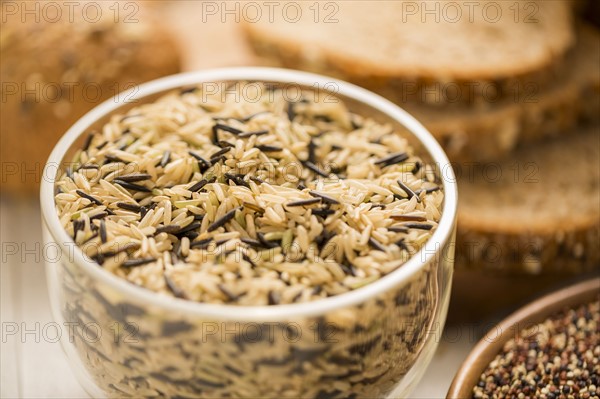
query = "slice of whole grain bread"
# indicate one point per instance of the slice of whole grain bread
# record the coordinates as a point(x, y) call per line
point(378, 44)
point(537, 212)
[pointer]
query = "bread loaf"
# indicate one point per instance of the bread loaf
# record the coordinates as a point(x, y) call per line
point(55, 67)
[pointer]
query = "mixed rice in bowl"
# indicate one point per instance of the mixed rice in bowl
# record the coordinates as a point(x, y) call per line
point(246, 193)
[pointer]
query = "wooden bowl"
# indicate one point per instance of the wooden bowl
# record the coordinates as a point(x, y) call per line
point(488, 347)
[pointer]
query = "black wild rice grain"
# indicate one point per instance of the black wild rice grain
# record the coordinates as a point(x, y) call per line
point(132, 186)
point(291, 112)
point(311, 151)
point(192, 235)
point(376, 244)
point(77, 225)
point(409, 192)
point(177, 292)
point(392, 159)
point(253, 207)
point(124, 248)
point(297, 297)
point(227, 128)
point(221, 152)
point(230, 295)
point(402, 244)
point(137, 262)
point(314, 168)
point(253, 243)
point(88, 141)
point(223, 144)
point(237, 180)
point(166, 158)
point(348, 269)
point(417, 168)
point(201, 160)
point(323, 212)
point(305, 202)
point(215, 135)
point(323, 118)
point(223, 220)
point(247, 259)
point(100, 215)
point(201, 244)
point(89, 166)
point(113, 158)
point(398, 229)
point(233, 370)
point(322, 239)
point(90, 238)
point(101, 146)
point(267, 243)
point(428, 190)
point(419, 226)
point(257, 180)
point(269, 148)
point(325, 198)
point(135, 177)
point(249, 117)
point(203, 385)
point(216, 160)
point(189, 227)
point(257, 133)
point(197, 186)
point(177, 248)
point(169, 229)
point(273, 298)
point(103, 232)
point(89, 197)
point(188, 90)
point(129, 117)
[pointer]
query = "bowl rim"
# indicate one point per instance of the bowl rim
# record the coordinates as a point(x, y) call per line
point(535, 312)
point(432, 247)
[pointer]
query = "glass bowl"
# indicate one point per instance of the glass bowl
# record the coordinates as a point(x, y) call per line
point(126, 341)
